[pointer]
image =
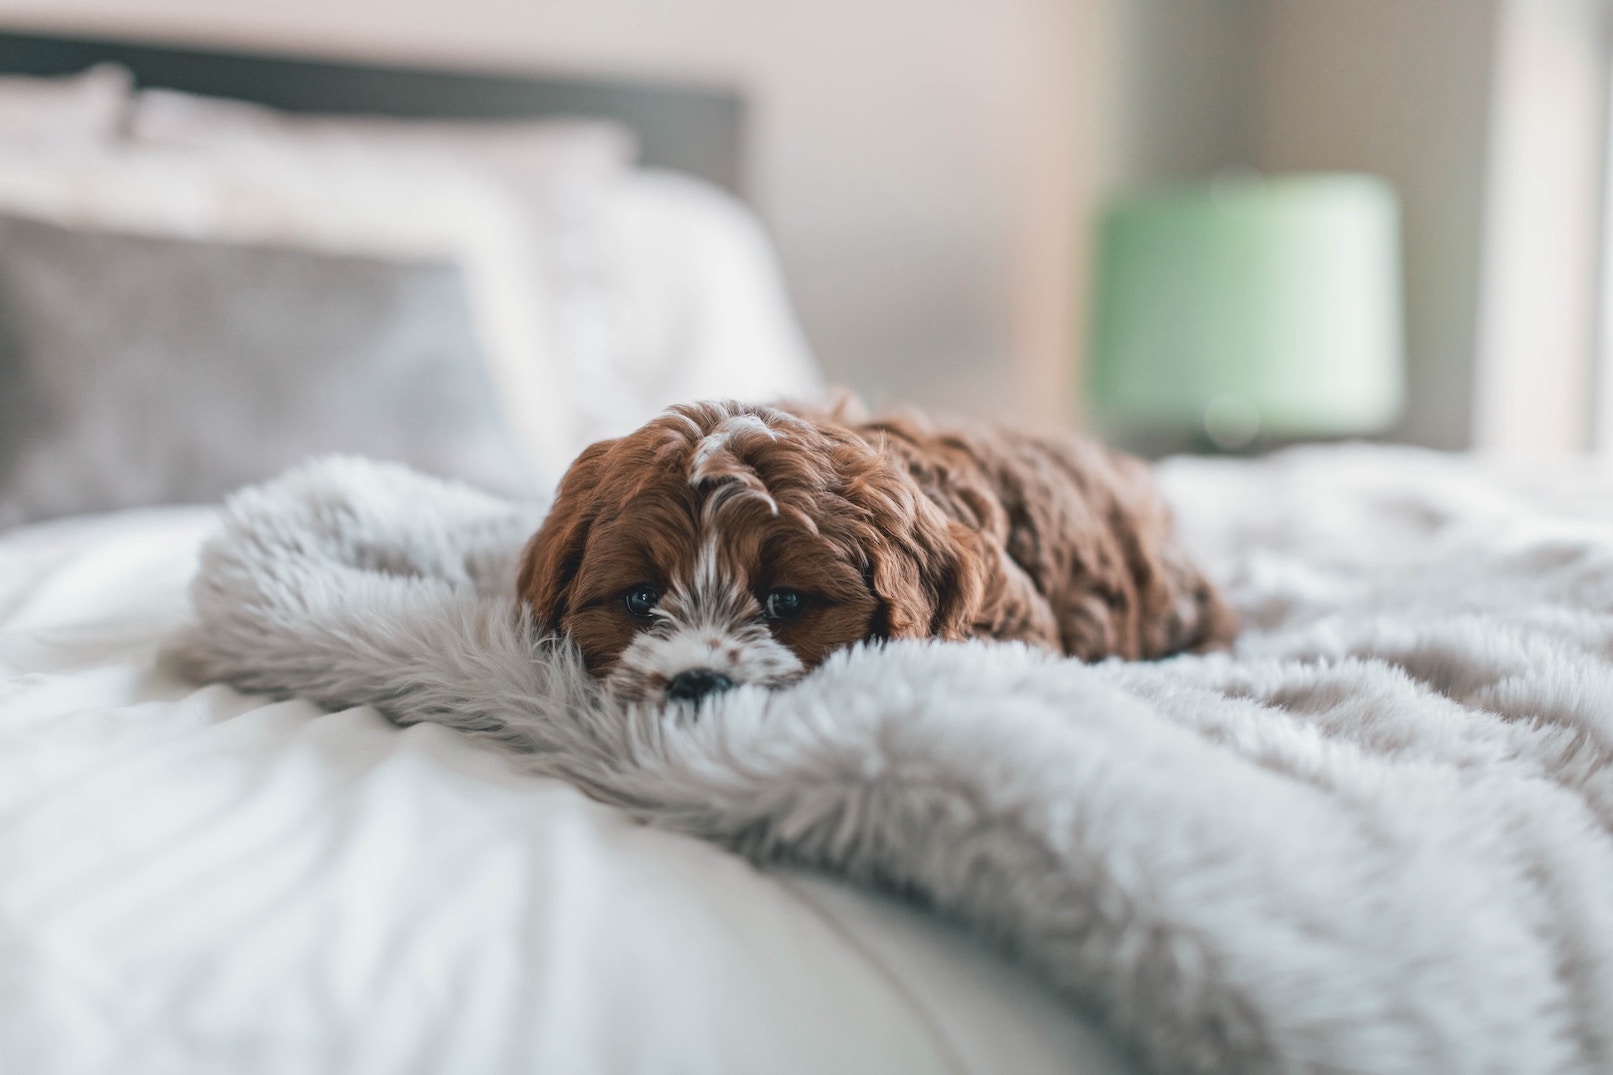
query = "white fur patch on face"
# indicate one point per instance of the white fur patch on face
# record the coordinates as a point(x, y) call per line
point(705, 622)
point(714, 463)
point(716, 442)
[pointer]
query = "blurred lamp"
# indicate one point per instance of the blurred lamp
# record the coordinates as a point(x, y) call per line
point(1251, 307)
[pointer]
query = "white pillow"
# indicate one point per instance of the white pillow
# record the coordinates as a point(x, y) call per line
point(657, 288)
point(600, 293)
point(85, 109)
point(348, 205)
point(139, 371)
point(696, 307)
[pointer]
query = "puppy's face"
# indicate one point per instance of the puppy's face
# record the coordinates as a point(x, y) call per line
point(724, 544)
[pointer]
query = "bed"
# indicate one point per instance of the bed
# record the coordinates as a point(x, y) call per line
point(196, 879)
point(1375, 837)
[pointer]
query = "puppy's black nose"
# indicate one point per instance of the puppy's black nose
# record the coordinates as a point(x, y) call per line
point(695, 684)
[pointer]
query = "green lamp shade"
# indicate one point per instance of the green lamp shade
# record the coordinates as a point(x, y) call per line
point(1269, 305)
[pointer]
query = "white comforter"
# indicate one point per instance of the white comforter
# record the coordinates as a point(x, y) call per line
point(196, 880)
point(193, 880)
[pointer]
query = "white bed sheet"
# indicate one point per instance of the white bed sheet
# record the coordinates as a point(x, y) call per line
point(194, 880)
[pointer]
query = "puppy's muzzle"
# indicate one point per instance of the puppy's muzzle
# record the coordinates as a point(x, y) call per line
point(695, 684)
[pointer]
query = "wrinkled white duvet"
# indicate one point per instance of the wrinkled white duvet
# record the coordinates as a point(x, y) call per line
point(194, 880)
point(1376, 837)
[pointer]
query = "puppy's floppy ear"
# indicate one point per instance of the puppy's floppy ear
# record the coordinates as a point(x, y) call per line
point(551, 558)
point(927, 571)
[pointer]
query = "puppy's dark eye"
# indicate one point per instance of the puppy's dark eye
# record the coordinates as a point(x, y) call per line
point(784, 604)
point(640, 600)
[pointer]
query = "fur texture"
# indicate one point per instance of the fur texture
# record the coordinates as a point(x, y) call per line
point(670, 550)
point(1375, 839)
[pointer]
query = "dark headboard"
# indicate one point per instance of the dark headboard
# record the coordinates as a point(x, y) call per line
point(691, 128)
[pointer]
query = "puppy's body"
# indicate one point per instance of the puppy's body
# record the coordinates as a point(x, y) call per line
point(1078, 546)
point(723, 543)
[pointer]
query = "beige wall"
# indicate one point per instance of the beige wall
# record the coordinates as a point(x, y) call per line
point(922, 165)
point(1179, 90)
point(1402, 88)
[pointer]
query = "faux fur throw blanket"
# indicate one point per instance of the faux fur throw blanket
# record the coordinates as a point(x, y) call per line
point(1374, 839)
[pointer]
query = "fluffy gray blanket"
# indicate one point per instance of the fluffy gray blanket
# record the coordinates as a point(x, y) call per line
point(1374, 839)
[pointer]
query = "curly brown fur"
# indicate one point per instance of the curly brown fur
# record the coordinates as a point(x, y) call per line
point(870, 530)
point(1079, 547)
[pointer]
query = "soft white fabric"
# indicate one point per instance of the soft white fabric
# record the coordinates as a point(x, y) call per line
point(599, 294)
point(1375, 838)
point(140, 371)
point(195, 881)
point(330, 204)
point(659, 287)
point(678, 296)
point(66, 112)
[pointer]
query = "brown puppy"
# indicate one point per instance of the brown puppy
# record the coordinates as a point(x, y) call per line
point(724, 543)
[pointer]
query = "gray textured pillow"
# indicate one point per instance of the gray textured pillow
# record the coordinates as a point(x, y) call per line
point(139, 370)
